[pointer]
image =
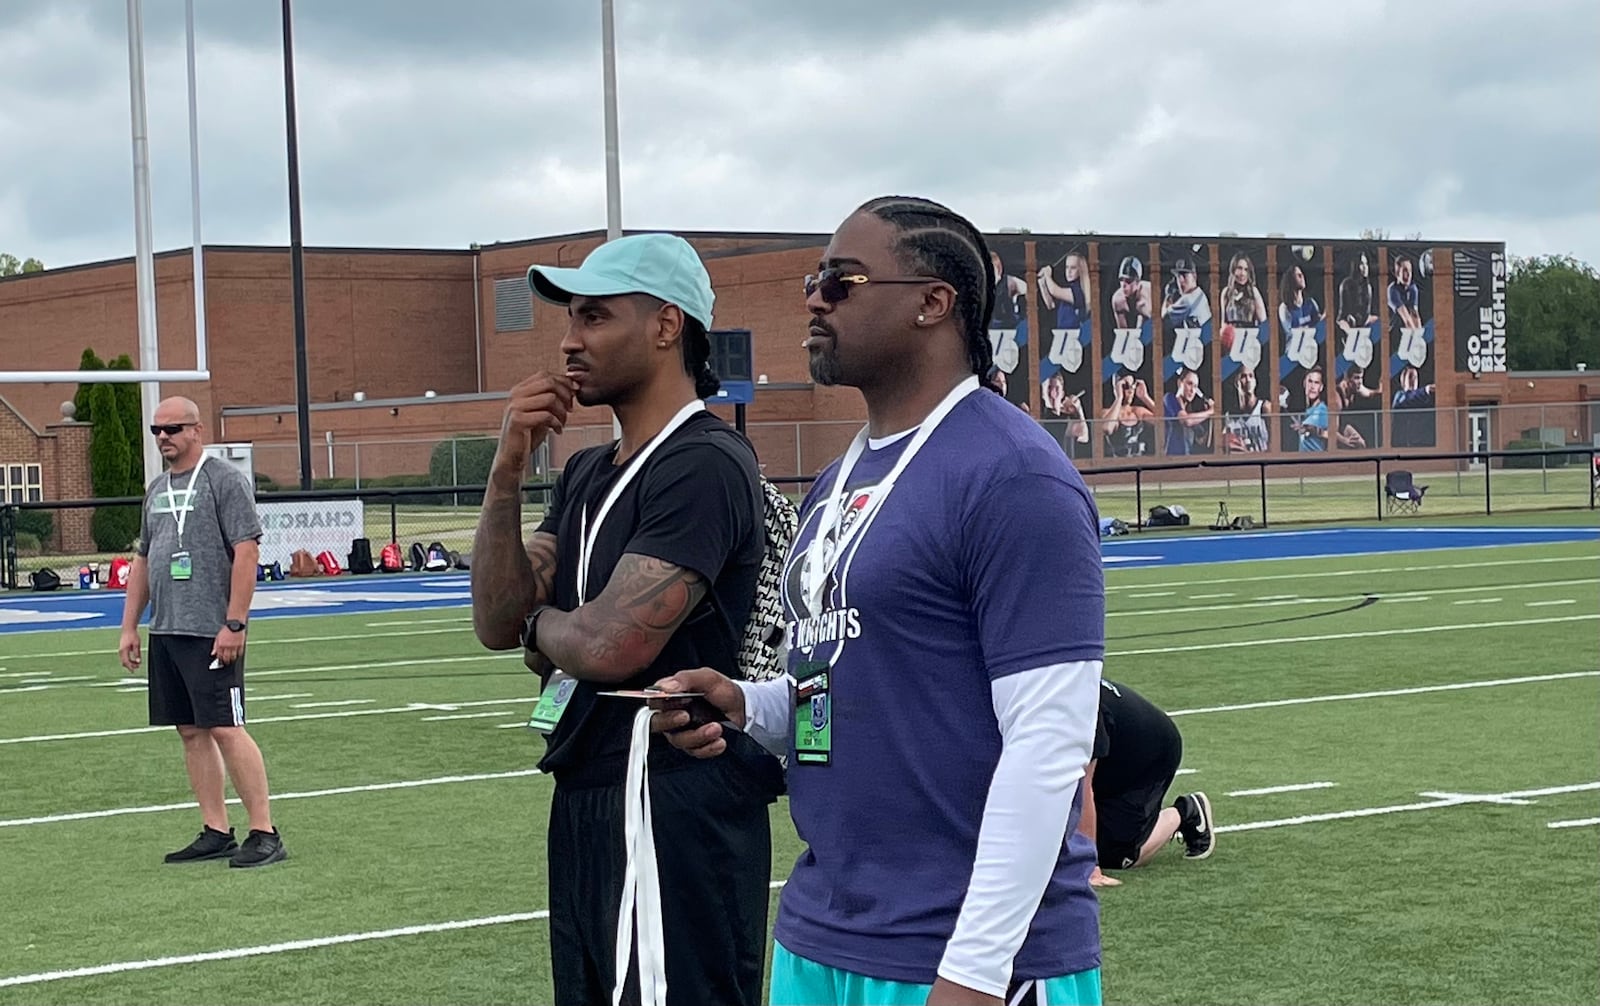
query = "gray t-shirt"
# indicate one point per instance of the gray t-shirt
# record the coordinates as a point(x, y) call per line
point(220, 513)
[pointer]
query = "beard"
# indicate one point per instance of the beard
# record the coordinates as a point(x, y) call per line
point(825, 367)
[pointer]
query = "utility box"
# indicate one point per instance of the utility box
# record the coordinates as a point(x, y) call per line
point(240, 456)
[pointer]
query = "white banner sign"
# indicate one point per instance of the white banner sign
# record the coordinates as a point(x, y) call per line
point(316, 527)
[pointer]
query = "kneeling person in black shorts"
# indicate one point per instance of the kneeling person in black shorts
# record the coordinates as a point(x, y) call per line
point(196, 569)
point(1137, 750)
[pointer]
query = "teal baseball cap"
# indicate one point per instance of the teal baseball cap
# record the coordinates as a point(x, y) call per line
point(661, 265)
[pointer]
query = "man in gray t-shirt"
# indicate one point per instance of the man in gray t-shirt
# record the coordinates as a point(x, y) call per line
point(196, 570)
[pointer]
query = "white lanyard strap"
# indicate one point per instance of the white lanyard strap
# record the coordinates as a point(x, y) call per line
point(824, 556)
point(181, 514)
point(586, 536)
point(641, 879)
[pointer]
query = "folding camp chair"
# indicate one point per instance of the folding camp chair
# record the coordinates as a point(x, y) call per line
point(1402, 494)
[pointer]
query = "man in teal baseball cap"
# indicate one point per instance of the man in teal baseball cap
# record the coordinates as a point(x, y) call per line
point(645, 563)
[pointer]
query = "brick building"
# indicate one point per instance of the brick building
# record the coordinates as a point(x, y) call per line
point(386, 327)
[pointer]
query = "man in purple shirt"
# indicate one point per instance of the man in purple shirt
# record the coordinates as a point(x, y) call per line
point(940, 709)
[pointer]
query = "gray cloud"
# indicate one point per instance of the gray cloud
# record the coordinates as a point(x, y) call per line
point(438, 125)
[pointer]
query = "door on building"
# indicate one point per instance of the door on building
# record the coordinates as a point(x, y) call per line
point(1478, 440)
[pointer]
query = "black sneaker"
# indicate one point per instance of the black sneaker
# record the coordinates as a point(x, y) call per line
point(260, 848)
point(1198, 837)
point(209, 844)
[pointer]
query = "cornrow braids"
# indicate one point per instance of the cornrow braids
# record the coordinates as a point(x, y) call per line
point(697, 358)
point(935, 240)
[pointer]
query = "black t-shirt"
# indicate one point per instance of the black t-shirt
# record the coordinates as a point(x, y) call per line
point(1131, 737)
point(697, 503)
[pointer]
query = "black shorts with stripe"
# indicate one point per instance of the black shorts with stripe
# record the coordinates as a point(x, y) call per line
point(185, 691)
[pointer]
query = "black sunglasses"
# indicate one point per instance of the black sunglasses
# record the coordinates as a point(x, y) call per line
point(834, 284)
point(170, 429)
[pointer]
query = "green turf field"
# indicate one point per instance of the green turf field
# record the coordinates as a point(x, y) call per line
point(1423, 867)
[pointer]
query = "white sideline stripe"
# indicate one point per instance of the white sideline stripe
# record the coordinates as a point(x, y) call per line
point(1209, 597)
point(127, 731)
point(418, 621)
point(1418, 690)
point(1294, 788)
point(1162, 593)
point(1546, 604)
point(1280, 597)
point(1324, 574)
point(1236, 644)
point(376, 665)
point(121, 683)
point(1479, 600)
point(338, 702)
point(1574, 824)
point(510, 726)
point(26, 674)
point(45, 679)
point(280, 698)
point(1407, 600)
point(1187, 771)
point(279, 948)
point(338, 791)
point(112, 652)
point(501, 713)
point(1454, 800)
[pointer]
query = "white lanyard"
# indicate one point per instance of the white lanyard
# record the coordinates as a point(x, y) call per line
point(586, 538)
point(824, 558)
point(181, 514)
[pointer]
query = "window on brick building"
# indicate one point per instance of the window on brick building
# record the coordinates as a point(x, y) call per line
point(21, 483)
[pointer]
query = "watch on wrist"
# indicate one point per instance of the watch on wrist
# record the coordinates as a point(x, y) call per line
point(530, 627)
point(234, 625)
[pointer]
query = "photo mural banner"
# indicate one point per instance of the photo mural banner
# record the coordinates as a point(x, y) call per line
point(1187, 408)
point(1480, 310)
point(1302, 327)
point(1358, 395)
point(1244, 353)
point(1127, 412)
point(1409, 300)
point(1066, 346)
point(1008, 326)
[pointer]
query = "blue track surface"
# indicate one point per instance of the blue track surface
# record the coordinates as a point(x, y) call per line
point(377, 594)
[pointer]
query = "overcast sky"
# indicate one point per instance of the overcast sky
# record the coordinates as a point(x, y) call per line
point(428, 124)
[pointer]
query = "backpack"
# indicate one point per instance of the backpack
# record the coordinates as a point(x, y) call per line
point(391, 559)
point(301, 564)
point(438, 558)
point(758, 657)
point(45, 579)
point(419, 556)
point(328, 564)
point(361, 556)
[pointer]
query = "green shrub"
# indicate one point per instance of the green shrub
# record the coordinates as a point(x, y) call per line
point(38, 523)
point(28, 544)
point(110, 468)
point(1535, 461)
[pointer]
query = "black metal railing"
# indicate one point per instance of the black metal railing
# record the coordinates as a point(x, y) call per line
point(449, 513)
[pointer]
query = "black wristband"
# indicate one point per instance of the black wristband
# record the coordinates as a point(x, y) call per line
point(530, 627)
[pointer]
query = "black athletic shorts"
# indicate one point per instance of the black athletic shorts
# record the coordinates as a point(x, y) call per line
point(714, 850)
point(1124, 820)
point(185, 691)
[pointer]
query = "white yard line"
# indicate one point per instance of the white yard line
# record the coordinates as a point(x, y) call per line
point(254, 643)
point(1294, 600)
point(419, 621)
point(26, 674)
point(378, 787)
point(1292, 788)
point(1387, 693)
point(1209, 597)
point(285, 947)
point(1373, 634)
point(1450, 800)
point(411, 708)
point(1547, 604)
point(333, 703)
point(492, 714)
point(1324, 574)
point(1479, 600)
point(279, 698)
point(1580, 823)
point(1159, 593)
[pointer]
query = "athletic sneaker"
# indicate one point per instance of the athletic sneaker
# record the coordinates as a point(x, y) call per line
point(259, 849)
point(209, 844)
point(1198, 837)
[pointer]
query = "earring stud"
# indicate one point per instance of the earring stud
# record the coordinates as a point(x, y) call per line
point(921, 318)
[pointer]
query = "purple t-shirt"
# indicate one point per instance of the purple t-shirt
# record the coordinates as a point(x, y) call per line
point(983, 562)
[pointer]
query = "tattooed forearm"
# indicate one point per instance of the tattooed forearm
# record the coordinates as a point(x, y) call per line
point(508, 579)
point(619, 633)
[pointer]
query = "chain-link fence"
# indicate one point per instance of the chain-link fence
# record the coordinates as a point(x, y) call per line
point(67, 538)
